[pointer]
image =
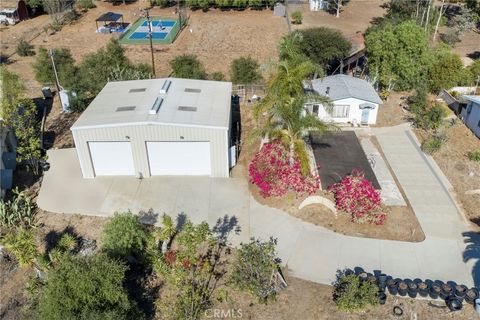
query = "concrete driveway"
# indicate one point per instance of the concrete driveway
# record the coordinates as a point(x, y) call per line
point(201, 198)
point(311, 252)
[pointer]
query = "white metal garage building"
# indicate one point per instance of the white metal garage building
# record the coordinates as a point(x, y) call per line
point(156, 127)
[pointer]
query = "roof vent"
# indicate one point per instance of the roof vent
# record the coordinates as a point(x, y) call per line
point(184, 108)
point(192, 90)
point(128, 108)
point(137, 90)
point(156, 106)
point(165, 86)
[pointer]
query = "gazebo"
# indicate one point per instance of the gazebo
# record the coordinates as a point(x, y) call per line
point(109, 17)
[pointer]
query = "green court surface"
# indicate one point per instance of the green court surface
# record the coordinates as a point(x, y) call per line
point(164, 31)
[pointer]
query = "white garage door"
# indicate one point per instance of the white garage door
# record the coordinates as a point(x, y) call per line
point(112, 158)
point(186, 158)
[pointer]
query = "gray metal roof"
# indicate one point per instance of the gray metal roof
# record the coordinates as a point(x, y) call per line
point(202, 103)
point(473, 98)
point(343, 86)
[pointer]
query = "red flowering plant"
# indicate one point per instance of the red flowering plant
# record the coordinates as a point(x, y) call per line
point(273, 173)
point(357, 196)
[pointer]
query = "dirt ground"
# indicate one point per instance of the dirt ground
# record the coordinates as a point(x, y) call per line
point(463, 174)
point(216, 37)
point(301, 300)
point(310, 301)
point(469, 45)
point(391, 113)
point(355, 16)
point(13, 278)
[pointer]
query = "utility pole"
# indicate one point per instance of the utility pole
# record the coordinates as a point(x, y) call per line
point(57, 83)
point(150, 35)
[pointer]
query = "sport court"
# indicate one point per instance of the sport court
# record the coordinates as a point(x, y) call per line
point(164, 31)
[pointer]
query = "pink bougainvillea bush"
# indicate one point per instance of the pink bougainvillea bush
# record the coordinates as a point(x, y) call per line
point(271, 172)
point(357, 196)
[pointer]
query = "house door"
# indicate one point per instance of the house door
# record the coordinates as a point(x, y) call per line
point(365, 115)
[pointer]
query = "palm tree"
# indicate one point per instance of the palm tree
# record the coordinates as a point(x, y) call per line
point(286, 118)
point(289, 123)
point(167, 232)
point(289, 74)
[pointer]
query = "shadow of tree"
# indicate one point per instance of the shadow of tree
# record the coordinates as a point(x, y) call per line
point(224, 226)
point(181, 220)
point(148, 217)
point(472, 252)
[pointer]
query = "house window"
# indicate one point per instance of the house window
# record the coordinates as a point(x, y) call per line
point(315, 109)
point(340, 111)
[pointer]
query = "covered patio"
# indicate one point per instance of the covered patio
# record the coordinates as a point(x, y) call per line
point(111, 23)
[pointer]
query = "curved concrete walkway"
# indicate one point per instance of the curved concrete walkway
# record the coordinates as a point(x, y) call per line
point(310, 252)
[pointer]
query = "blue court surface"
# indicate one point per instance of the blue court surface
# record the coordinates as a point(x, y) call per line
point(144, 35)
point(160, 30)
point(160, 23)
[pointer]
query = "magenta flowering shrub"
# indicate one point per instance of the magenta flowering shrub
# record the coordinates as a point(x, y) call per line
point(357, 196)
point(272, 173)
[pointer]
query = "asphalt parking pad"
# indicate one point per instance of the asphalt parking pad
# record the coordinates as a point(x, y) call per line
point(337, 154)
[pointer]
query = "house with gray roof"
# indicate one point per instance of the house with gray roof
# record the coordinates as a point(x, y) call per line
point(355, 101)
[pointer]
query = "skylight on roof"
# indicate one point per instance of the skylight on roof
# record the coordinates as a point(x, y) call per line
point(137, 90)
point(185, 108)
point(156, 106)
point(165, 86)
point(193, 90)
point(127, 108)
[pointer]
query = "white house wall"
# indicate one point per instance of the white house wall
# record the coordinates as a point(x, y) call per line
point(355, 113)
point(138, 135)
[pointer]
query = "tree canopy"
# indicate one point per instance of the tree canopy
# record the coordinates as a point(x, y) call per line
point(446, 69)
point(322, 45)
point(12, 89)
point(86, 288)
point(244, 71)
point(397, 55)
point(188, 67)
point(64, 62)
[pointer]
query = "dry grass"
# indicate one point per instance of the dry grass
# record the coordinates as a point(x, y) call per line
point(462, 173)
point(355, 16)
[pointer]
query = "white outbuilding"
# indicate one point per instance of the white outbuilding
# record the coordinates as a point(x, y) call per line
point(156, 127)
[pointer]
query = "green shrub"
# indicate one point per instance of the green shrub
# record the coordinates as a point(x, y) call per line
point(474, 156)
point(351, 294)
point(188, 67)
point(432, 144)
point(86, 4)
point(160, 3)
point(244, 71)
point(21, 243)
point(253, 268)
point(297, 17)
point(124, 235)
point(18, 212)
point(25, 49)
point(67, 242)
point(451, 37)
point(217, 76)
point(87, 287)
